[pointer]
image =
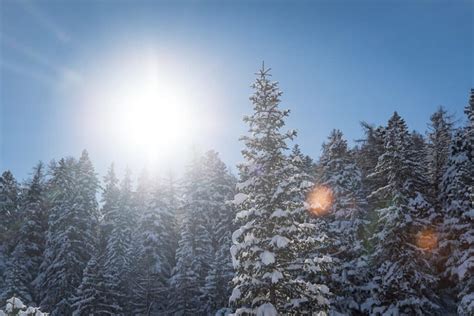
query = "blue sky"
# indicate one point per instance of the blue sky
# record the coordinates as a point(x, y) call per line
point(338, 63)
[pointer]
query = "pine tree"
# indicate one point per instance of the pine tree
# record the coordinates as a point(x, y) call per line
point(403, 281)
point(9, 202)
point(220, 190)
point(268, 243)
point(92, 293)
point(117, 262)
point(110, 200)
point(368, 153)
point(26, 258)
point(9, 199)
point(339, 174)
point(194, 253)
point(151, 273)
point(457, 240)
point(439, 140)
point(72, 233)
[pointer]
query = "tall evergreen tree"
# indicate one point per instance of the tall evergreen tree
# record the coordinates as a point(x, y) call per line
point(72, 233)
point(219, 185)
point(339, 174)
point(439, 140)
point(9, 199)
point(110, 207)
point(27, 255)
point(403, 281)
point(92, 294)
point(194, 253)
point(268, 243)
point(9, 203)
point(457, 241)
point(151, 273)
point(117, 261)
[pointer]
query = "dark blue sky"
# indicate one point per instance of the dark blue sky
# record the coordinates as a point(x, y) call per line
point(338, 63)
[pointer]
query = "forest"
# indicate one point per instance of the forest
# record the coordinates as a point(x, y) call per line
point(383, 227)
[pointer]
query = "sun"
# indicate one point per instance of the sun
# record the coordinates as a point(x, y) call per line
point(152, 115)
point(145, 106)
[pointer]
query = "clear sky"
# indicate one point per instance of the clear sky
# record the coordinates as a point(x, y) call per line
point(65, 65)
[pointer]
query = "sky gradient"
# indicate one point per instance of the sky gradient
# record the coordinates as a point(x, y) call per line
point(338, 63)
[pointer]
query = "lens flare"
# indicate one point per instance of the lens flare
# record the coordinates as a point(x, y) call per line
point(320, 200)
point(427, 240)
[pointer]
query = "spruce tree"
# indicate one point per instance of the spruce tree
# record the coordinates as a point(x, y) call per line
point(9, 202)
point(402, 280)
point(219, 185)
point(339, 174)
point(27, 255)
point(72, 233)
point(268, 243)
point(439, 141)
point(110, 200)
point(150, 271)
point(457, 240)
point(92, 294)
point(194, 253)
point(9, 199)
point(117, 261)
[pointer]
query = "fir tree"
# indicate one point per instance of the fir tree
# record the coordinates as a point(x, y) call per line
point(72, 233)
point(9, 199)
point(150, 273)
point(457, 240)
point(117, 262)
point(403, 281)
point(194, 253)
point(439, 140)
point(220, 189)
point(110, 200)
point(268, 243)
point(339, 174)
point(26, 258)
point(92, 294)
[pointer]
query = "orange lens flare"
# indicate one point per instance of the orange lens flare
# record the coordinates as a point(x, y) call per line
point(427, 240)
point(320, 200)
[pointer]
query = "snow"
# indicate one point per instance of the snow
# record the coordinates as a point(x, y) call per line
point(280, 241)
point(14, 303)
point(266, 309)
point(235, 295)
point(279, 213)
point(267, 257)
point(275, 276)
point(239, 198)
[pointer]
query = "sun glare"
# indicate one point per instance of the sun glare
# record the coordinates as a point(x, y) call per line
point(427, 240)
point(320, 200)
point(145, 104)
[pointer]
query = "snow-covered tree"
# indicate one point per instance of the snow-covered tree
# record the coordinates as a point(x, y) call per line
point(194, 253)
point(402, 281)
point(268, 244)
point(26, 258)
point(219, 185)
point(457, 241)
point(439, 141)
point(9, 200)
point(117, 261)
point(339, 174)
point(110, 206)
point(15, 307)
point(92, 297)
point(72, 233)
point(368, 153)
point(153, 248)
